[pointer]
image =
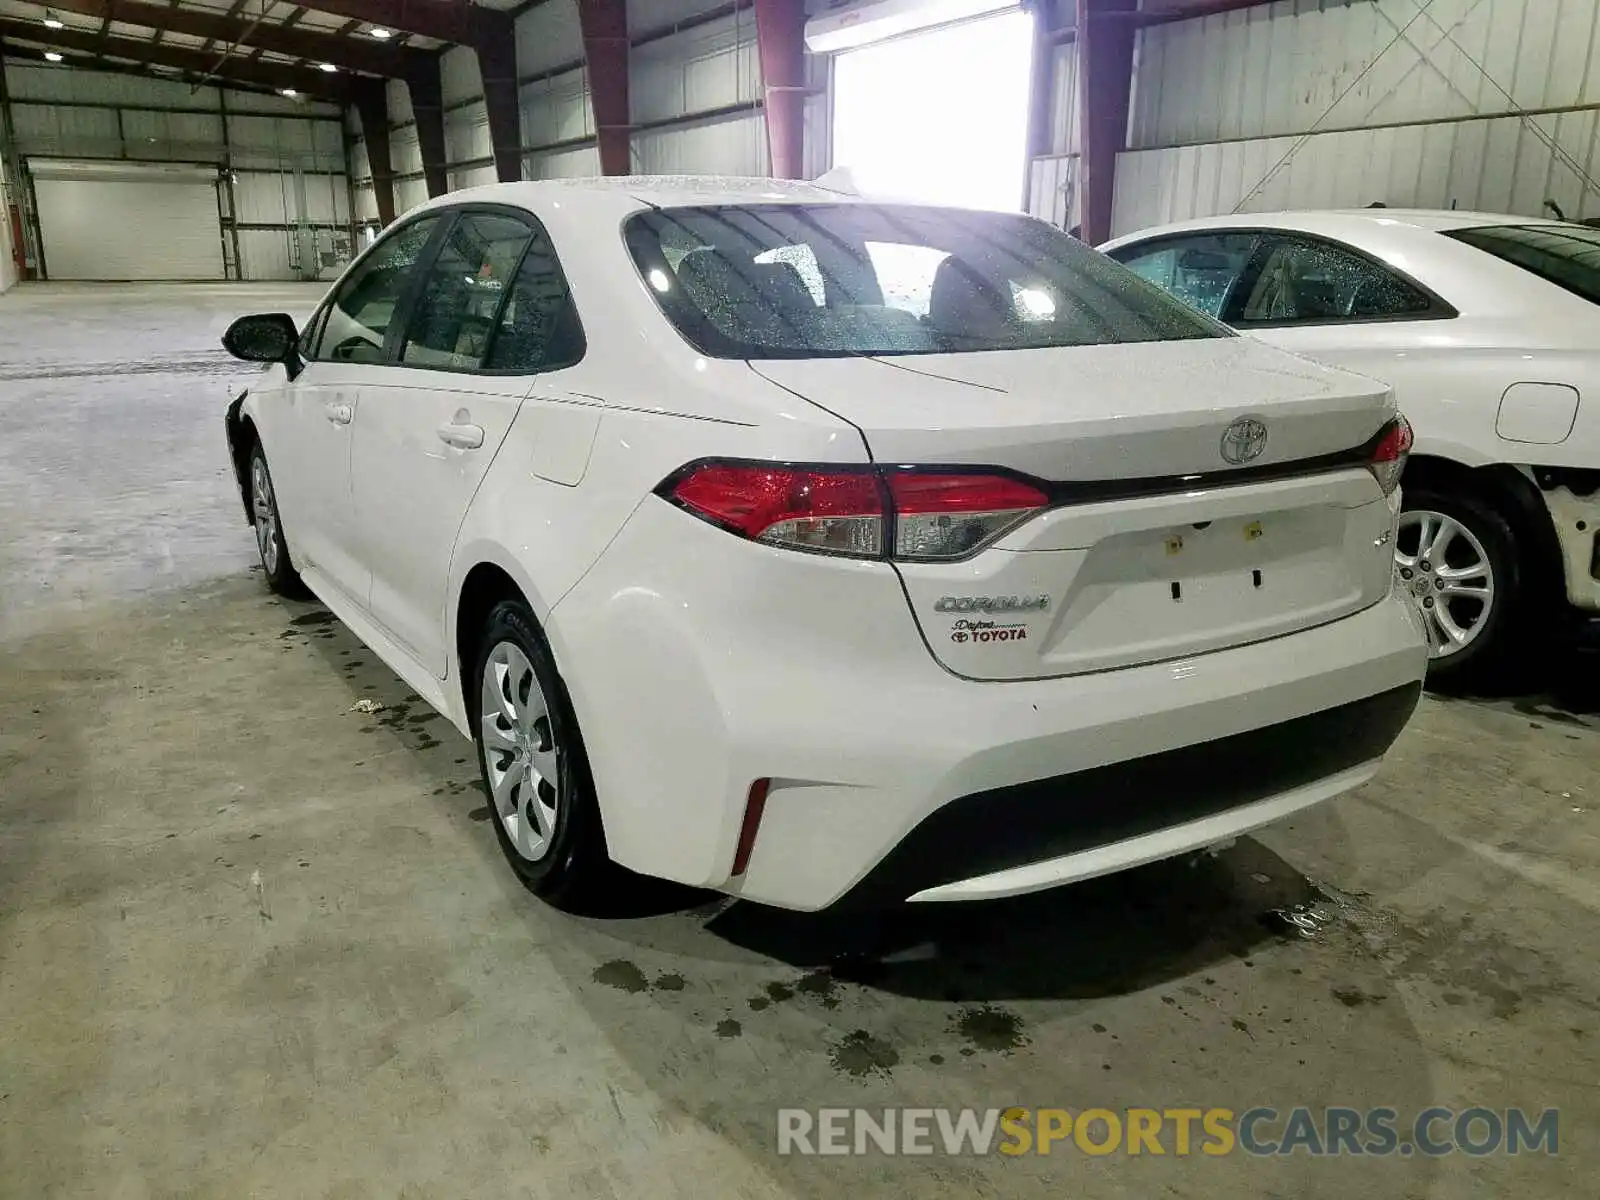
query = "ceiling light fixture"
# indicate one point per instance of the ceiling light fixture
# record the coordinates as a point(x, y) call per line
point(51, 56)
point(289, 92)
point(51, 21)
point(328, 67)
point(379, 32)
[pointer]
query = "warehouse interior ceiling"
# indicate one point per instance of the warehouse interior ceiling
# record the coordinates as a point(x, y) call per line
point(940, 115)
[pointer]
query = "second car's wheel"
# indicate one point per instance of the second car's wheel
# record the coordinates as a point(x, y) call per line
point(533, 763)
point(276, 563)
point(1455, 557)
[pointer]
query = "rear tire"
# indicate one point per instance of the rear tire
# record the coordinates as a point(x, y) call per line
point(535, 772)
point(1456, 557)
point(277, 564)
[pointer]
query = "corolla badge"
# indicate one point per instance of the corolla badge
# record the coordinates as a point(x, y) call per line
point(991, 604)
point(1243, 440)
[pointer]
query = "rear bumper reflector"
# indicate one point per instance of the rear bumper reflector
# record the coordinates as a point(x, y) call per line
point(753, 808)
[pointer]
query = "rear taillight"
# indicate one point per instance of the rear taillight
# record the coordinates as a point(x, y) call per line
point(830, 512)
point(950, 516)
point(1389, 454)
point(934, 515)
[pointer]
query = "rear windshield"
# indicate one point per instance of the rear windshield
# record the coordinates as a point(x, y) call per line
point(832, 280)
point(1565, 255)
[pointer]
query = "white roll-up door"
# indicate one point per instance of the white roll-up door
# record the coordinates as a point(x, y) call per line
point(134, 221)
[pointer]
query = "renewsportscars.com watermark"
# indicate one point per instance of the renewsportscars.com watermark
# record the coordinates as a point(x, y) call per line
point(1181, 1132)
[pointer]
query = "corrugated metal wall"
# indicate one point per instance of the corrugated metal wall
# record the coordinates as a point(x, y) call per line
point(695, 95)
point(285, 158)
point(1053, 178)
point(1484, 104)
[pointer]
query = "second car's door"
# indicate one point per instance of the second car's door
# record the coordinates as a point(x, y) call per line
point(480, 327)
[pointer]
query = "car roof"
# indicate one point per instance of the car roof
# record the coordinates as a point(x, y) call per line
point(612, 194)
point(1351, 223)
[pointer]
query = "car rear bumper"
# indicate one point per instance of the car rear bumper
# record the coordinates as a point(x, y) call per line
point(1019, 838)
point(699, 663)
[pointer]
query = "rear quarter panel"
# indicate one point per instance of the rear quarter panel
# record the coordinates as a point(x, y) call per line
point(545, 515)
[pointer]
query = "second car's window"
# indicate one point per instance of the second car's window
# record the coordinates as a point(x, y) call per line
point(461, 298)
point(1565, 255)
point(1201, 270)
point(1303, 280)
point(358, 320)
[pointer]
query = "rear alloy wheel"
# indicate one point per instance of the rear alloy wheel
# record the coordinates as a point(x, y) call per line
point(533, 763)
point(521, 760)
point(1454, 559)
point(276, 563)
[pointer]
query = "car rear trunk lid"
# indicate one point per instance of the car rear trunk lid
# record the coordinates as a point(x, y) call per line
point(1155, 545)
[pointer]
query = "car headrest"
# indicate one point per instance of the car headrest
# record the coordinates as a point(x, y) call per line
point(963, 304)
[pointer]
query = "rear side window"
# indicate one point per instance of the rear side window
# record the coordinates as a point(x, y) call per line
point(538, 329)
point(1565, 255)
point(1304, 281)
point(836, 280)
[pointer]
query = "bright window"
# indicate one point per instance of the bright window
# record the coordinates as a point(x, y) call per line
point(940, 116)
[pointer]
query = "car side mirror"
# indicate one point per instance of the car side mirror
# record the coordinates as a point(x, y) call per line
point(265, 338)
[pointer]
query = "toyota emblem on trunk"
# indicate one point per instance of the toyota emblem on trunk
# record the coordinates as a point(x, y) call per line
point(1243, 440)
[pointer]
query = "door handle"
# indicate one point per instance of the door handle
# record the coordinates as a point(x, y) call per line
point(341, 414)
point(461, 436)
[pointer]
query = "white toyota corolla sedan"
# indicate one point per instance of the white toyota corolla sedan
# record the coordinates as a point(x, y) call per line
point(1488, 328)
point(819, 550)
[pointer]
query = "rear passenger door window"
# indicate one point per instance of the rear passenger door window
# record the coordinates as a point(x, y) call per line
point(1202, 270)
point(538, 328)
point(1303, 281)
point(358, 320)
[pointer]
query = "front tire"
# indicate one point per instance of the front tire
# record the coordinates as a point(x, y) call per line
point(1456, 557)
point(535, 771)
point(276, 562)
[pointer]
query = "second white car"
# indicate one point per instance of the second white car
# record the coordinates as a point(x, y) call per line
point(1488, 327)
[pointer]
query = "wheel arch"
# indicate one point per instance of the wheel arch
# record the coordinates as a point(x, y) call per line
point(491, 578)
point(1516, 497)
point(242, 437)
point(486, 583)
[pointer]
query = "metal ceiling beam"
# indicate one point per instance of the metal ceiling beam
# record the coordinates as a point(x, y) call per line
point(605, 50)
point(781, 43)
point(366, 55)
point(446, 20)
point(308, 82)
point(1189, 10)
point(35, 54)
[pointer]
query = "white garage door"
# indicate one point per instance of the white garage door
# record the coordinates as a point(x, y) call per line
point(128, 220)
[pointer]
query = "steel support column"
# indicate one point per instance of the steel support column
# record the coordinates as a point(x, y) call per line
point(605, 51)
point(426, 86)
point(781, 40)
point(494, 40)
point(372, 106)
point(1105, 72)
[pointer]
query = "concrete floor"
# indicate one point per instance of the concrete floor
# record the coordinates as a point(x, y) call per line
point(255, 943)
